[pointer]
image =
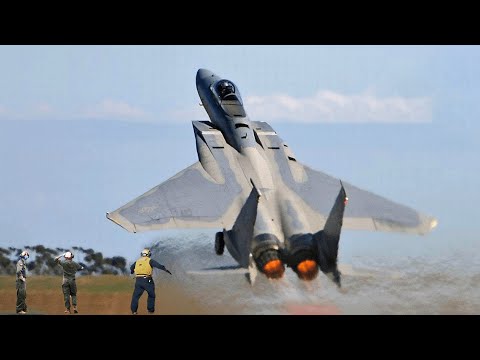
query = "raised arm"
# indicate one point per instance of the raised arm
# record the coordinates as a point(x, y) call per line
point(157, 265)
point(57, 259)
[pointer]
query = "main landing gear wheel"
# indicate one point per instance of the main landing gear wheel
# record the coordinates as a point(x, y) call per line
point(219, 243)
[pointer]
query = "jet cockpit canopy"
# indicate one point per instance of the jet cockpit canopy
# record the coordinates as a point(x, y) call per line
point(229, 97)
point(227, 91)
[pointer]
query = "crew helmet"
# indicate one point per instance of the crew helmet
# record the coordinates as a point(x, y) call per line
point(146, 252)
point(68, 255)
point(25, 255)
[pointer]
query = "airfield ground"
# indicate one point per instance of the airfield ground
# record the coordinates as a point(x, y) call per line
point(97, 295)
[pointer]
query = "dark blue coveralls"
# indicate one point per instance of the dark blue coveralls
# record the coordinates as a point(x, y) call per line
point(145, 283)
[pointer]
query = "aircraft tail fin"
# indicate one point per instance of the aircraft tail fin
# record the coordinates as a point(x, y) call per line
point(328, 238)
point(238, 239)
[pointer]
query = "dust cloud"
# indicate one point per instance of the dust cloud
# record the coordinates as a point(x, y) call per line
point(413, 285)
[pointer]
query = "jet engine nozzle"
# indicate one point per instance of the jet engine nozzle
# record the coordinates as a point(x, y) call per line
point(270, 264)
point(307, 269)
point(304, 264)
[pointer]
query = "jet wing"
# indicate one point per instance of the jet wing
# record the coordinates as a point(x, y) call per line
point(316, 191)
point(365, 210)
point(190, 199)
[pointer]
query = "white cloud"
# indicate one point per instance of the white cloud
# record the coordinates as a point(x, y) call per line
point(107, 109)
point(40, 110)
point(43, 108)
point(332, 107)
point(323, 107)
point(188, 114)
point(326, 107)
point(4, 113)
point(111, 109)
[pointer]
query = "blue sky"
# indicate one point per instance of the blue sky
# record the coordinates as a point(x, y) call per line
point(84, 129)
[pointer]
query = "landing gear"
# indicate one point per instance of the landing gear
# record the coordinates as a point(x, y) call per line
point(219, 243)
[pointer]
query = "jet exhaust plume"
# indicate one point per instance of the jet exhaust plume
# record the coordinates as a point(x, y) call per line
point(274, 269)
point(307, 270)
point(270, 264)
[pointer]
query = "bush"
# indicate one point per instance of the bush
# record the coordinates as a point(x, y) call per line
point(119, 262)
point(40, 249)
point(42, 261)
point(97, 258)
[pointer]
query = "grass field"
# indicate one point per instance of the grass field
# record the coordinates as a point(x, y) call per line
point(96, 295)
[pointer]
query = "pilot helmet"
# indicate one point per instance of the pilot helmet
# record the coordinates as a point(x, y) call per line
point(146, 252)
point(68, 255)
point(228, 86)
point(225, 87)
point(25, 255)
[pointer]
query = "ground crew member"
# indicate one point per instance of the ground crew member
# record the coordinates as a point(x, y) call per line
point(143, 269)
point(69, 286)
point(21, 283)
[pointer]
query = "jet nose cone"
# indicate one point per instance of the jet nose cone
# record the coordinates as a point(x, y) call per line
point(203, 74)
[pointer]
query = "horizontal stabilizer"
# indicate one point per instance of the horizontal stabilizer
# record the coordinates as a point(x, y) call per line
point(219, 270)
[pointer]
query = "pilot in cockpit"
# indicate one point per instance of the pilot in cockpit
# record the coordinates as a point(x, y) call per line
point(224, 89)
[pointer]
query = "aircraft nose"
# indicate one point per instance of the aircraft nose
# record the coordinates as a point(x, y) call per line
point(203, 74)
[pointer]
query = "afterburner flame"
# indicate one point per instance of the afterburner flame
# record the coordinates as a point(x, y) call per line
point(274, 269)
point(307, 270)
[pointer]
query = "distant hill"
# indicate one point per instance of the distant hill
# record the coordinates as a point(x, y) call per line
point(41, 261)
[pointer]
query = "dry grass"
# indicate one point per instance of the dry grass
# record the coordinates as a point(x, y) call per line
point(97, 295)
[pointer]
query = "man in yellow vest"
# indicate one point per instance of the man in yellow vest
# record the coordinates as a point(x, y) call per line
point(143, 269)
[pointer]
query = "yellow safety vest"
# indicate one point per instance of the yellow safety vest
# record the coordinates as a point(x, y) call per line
point(142, 267)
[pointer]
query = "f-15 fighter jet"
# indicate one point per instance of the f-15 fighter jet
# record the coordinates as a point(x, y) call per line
point(271, 210)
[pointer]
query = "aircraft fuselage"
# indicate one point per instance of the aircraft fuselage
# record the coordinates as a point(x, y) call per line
point(280, 232)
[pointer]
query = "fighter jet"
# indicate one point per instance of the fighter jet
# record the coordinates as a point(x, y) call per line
point(271, 210)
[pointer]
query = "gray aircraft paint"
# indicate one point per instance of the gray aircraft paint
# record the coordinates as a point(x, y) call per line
point(249, 185)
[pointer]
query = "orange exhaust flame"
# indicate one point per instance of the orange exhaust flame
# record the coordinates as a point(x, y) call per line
point(307, 270)
point(274, 269)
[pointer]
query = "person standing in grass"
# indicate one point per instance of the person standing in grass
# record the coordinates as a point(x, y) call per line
point(69, 286)
point(21, 283)
point(143, 270)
